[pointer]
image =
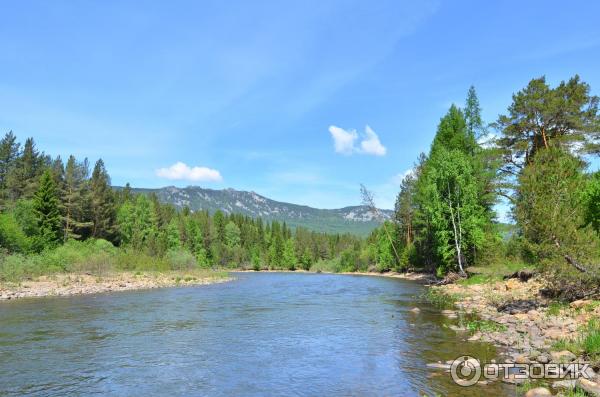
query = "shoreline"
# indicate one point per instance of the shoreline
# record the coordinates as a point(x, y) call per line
point(527, 327)
point(70, 284)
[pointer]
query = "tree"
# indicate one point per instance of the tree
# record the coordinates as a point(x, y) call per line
point(46, 207)
point(452, 205)
point(232, 235)
point(405, 208)
point(591, 202)
point(76, 226)
point(22, 179)
point(102, 203)
point(288, 259)
point(9, 152)
point(549, 209)
point(472, 113)
point(452, 133)
point(540, 117)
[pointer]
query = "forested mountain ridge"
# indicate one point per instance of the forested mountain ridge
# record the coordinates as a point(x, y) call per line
point(358, 220)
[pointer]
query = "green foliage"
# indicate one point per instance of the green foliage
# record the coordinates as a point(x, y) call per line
point(439, 298)
point(591, 202)
point(47, 213)
point(484, 326)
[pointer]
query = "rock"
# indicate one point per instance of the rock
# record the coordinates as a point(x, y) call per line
point(449, 313)
point(565, 385)
point(555, 333)
point(522, 316)
point(543, 358)
point(538, 392)
point(590, 387)
point(415, 310)
point(522, 359)
point(564, 356)
point(534, 354)
point(475, 337)
point(578, 304)
point(512, 284)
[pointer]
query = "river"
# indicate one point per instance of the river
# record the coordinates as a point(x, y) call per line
point(263, 334)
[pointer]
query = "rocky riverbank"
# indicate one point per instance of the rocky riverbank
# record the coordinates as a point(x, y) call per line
point(76, 284)
point(528, 327)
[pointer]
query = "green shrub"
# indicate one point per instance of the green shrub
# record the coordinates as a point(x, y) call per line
point(181, 260)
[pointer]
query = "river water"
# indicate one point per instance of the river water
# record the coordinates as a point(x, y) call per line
point(263, 334)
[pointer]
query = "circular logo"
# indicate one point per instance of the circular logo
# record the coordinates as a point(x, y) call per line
point(465, 371)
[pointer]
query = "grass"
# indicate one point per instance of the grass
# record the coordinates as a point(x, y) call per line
point(588, 343)
point(555, 307)
point(96, 257)
point(577, 392)
point(439, 298)
point(484, 326)
point(493, 272)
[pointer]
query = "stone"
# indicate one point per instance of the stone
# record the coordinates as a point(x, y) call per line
point(578, 304)
point(475, 337)
point(564, 356)
point(555, 333)
point(543, 358)
point(415, 310)
point(538, 392)
point(590, 387)
point(534, 354)
point(521, 359)
point(565, 385)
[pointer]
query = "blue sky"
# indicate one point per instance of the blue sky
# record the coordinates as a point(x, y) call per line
point(250, 94)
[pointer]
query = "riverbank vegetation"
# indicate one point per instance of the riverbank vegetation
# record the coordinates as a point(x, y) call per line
point(58, 217)
point(534, 160)
point(537, 161)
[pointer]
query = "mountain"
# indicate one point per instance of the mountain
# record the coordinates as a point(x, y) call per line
point(357, 220)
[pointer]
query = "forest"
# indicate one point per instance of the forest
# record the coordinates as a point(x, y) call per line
point(537, 160)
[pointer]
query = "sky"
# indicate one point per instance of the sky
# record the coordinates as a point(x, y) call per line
point(300, 101)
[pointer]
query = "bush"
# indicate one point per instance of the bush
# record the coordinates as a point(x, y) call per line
point(181, 260)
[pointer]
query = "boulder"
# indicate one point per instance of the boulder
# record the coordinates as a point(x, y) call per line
point(564, 356)
point(578, 304)
point(588, 386)
point(415, 310)
point(538, 392)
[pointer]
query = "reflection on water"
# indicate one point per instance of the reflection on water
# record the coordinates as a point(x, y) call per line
point(263, 334)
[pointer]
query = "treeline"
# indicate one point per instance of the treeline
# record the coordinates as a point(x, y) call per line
point(46, 203)
point(536, 158)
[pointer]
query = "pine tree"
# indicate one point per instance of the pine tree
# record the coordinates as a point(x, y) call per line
point(23, 178)
point(76, 226)
point(9, 153)
point(46, 208)
point(102, 203)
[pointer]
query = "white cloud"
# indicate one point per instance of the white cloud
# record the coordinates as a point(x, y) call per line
point(181, 171)
point(344, 142)
point(371, 144)
point(398, 178)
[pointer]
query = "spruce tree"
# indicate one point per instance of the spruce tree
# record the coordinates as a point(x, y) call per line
point(47, 211)
point(102, 203)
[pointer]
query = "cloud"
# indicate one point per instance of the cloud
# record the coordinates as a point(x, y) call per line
point(344, 142)
point(181, 171)
point(398, 178)
point(371, 144)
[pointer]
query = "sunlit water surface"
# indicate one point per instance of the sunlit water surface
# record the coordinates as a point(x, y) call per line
point(264, 334)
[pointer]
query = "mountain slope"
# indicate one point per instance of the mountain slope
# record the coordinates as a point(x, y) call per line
point(355, 219)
